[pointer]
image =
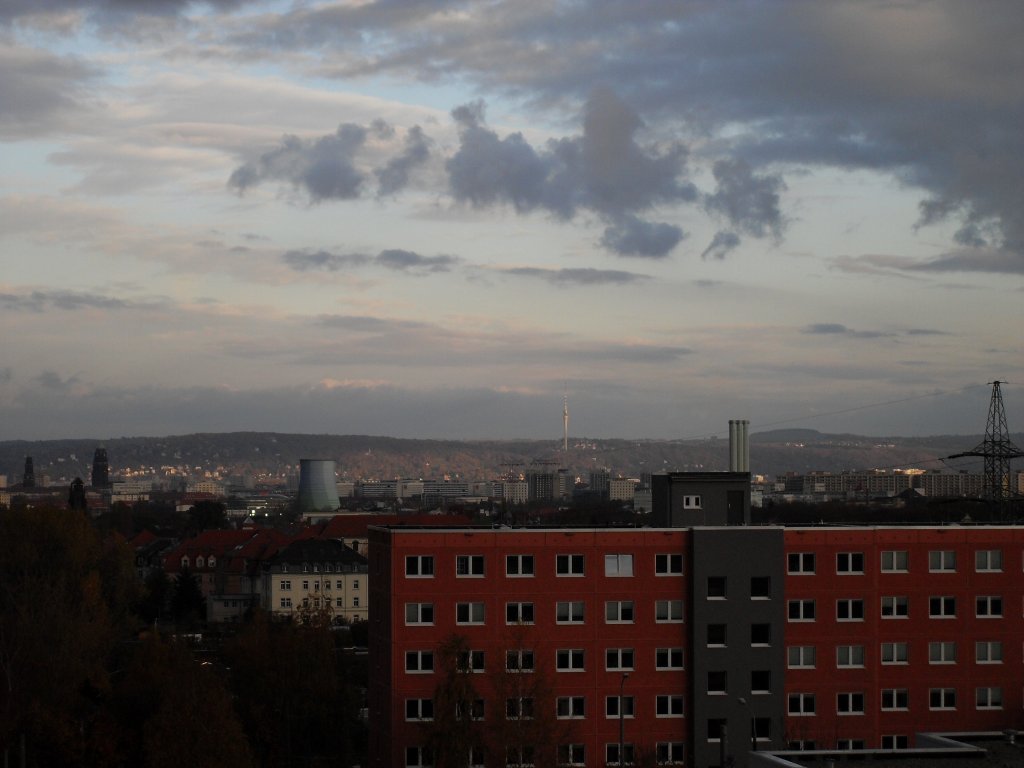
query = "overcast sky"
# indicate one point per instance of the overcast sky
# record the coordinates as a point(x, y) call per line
point(435, 219)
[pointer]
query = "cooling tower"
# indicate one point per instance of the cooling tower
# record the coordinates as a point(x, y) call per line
point(317, 489)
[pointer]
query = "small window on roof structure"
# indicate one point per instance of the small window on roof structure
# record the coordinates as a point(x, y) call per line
point(199, 561)
point(184, 561)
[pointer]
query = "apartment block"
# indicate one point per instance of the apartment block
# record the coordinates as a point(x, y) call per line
point(701, 643)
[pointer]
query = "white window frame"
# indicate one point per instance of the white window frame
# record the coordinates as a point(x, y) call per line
point(801, 611)
point(895, 699)
point(519, 660)
point(988, 560)
point(942, 652)
point(419, 614)
point(570, 565)
point(669, 705)
point(669, 753)
point(668, 564)
point(418, 757)
point(618, 565)
point(519, 708)
point(895, 561)
point(570, 611)
point(805, 563)
point(572, 754)
point(571, 707)
point(895, 741)
point(619, 659)
point(849, 609)
point(668, 611)
point(895, 653)
point(941, 699)
point(611, 754)
point(612, 704)
point(988, 697)
point(850, 563)
point(850, 703)
point(895, 607)
point(419, 566)
point(520, 610)
point(947, 607)
point(470, 566)
point(668, 658)
point(797, 657)
point(475, 614)
point(988, 652)
point(520, 566)
point(419, 705)
point(988, 606)
point(419, 667)
point(570, 660)
point(471, 661)
point(801, 705)
point(618, 607)
point(850, 656)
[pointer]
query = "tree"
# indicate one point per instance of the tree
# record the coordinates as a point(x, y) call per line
point(187, 603)
point(456, 728)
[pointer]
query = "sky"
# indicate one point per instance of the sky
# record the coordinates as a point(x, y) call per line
point(437, 219)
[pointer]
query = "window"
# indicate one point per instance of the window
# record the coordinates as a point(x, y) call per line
point(419, 661)
point(942, 698)
point(800, 610)
point(618, 658)
point(801, 704)
point(895, 653)
point(418, 757)
point(340, 602)
point(716, 634)
point(419, 613)
point(849, 562)
point(519, 661)
point(800, 563)
point(850, 703)
point(519, 565)
point(286, 602)
point(286, 585)
point(668, 658)
point(988, 698)
point(715, 727)
point(760, 634)
point(988, 607)
point(569, 659)
point(760, 681)
point(421, 566)
point(476, 757)
point(988, 652)
point(519, 757)
point(717, 682)
point(691, 502)
point(618, 565)
point(519, 613)
point(762, 728)
point(942, 653)
point(849, 656)
point(612, 704)
point(305, 585)
point(355, 583)
point(716, 588)
point(519, 708)
point(669, 753)
point(469, 566)
point(941, 561)
point(355, 602)
point(988, 560)
point(569, 565)
point(895, 742)
point(760, 587)
point(668, 611)
point(199, 561)
point(802, 745)
point(849, 610)
point(471, 661)
point(800, 656)
point(419, 709)
point(894, 561)
point(611, 754)
point(571, 754)
point(942, 607)
point(668, 565)
point(895, 607)
point(327, 583)
point(469, 613)
point(569, 612)
point(618, 612)
point(895, 698)
point(668, 705)
point(571, 707)
point(848, 745)
point(476, 710)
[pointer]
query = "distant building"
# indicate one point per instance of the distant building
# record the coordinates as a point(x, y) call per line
point(100, 469)
point(317, 575)
point(622, 488)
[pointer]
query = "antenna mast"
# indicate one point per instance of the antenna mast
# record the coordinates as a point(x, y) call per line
point(996, 449)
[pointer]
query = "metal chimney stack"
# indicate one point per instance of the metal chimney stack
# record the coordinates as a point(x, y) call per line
point(739, 445)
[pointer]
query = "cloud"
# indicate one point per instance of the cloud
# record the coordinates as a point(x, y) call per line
point(926, 332)
point(42, 93)
point(394, 176)
point(582, 276)
point(997, 260)
point(605, 171)
point(630, 236)
point(104, 10)
point(408, 261)
point(836, 329)
point(52, 381)
point(305, 261)
point(365, 324)
point(71, 301)
point(721, 245)
point(750, 203)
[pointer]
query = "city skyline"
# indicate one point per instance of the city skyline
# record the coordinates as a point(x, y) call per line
point(440, 220)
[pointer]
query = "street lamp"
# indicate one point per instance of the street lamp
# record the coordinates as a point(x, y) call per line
point(622, 722)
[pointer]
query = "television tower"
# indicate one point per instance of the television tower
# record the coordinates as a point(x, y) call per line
point(996, 449)
point(565, 422)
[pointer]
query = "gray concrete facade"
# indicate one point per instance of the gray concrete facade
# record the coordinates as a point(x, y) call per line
point(686, 499)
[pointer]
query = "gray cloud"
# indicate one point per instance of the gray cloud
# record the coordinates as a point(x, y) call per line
point(100, 10)
point(42, 93)
point(926, 332)
point(6, 375)
point(365, 324)
point(750, 203)
point(39, 301)
point(408, 261)
point(836, 329)
point(578, 276)
point(305, 261)
point(630, 236)
point(323, 168)
point(394, 176)
point(721, 245)
point(52, 381)
point(605, 170)
point(999, 260)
